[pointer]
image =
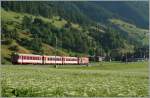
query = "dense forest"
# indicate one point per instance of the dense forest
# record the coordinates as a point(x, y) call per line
point(111, 29)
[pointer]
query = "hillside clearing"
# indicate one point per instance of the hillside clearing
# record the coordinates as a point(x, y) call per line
point(132, 30)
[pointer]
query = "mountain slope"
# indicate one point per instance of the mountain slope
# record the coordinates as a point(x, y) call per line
point(136, 12)
point(81, 28)
point(132, 12)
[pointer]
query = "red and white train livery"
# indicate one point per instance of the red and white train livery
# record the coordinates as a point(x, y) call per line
point(42, 59)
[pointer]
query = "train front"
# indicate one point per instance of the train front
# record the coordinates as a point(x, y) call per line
point(14, 58)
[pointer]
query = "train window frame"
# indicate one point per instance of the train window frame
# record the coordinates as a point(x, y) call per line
point(28, 57)
point(24, 57)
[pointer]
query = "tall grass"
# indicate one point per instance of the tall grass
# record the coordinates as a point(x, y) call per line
point(106, 79)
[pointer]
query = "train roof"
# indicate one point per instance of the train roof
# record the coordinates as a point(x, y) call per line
point(27, 54)
point(51, 56)
point(69, 57)
point(22, 54)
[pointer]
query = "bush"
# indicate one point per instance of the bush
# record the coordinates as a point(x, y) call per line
point(3, 60)
point(7, 42)
point(14, 48)
point(17, 17)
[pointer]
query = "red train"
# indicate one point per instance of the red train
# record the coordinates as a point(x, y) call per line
point(39, 59)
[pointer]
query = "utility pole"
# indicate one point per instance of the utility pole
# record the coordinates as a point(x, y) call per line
point(94, 54)
point(101, 57)
point(55, 51)
point(62, 47)
point(132, 54)
point(126, 57)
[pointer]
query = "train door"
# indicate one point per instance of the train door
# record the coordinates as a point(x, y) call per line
point(63, 60)
point(22, 61)
point(43, 60)
point(79, 60)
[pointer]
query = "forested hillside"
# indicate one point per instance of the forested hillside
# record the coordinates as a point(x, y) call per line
point(81, 28)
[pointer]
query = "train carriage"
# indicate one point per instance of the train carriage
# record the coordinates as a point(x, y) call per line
point(27, 59)
point(52, 60)
point(70, 60)
point(41, 59)
point(83, 60)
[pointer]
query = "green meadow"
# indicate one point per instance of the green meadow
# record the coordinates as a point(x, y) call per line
point(98, 79)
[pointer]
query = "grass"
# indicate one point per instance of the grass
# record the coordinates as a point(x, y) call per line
point(58, 23)
point(132, 30)
point(48, 50)
point(6, 52)
point(99, 79)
